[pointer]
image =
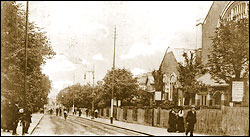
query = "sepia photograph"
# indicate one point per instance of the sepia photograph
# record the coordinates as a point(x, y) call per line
point(124, 68)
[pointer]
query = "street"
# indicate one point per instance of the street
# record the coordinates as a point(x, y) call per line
point(125, 68)
point(74, 125)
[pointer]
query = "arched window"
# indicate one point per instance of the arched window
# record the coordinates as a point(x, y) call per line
point(235, 10)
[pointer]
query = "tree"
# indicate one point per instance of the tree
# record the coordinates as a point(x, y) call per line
point(229, 57)
point(158, 79)
point(13, 58)
point(82, 96)
point(124, 89)
point(188, 71)
point(142, 97)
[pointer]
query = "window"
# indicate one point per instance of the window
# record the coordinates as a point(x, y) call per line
point(204, 100)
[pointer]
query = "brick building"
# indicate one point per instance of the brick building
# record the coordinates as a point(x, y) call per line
point(169, 68)
point(223, 9)
point(205, 31)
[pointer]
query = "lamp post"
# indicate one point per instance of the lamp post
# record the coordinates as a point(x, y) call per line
point(113, 82)
point(73, 106)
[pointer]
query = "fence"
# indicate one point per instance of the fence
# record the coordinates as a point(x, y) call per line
point(227, 121)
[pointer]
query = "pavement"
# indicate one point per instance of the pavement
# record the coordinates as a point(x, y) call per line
point(36, 117)
point(154, 131)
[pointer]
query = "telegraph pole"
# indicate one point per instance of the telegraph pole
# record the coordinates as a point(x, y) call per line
point(74, 94)
point(25, 69)
point(113, 83)
point(26, 45)
point(93, 93)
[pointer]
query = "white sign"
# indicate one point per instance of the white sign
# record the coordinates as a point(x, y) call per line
point(115, 103)
point(157, 95)
point(237, 90)
point(119, 103)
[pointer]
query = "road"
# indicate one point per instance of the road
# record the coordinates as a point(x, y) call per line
point(74, 125)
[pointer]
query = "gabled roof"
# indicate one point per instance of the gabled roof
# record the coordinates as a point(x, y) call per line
point(172, 57)
point(142, 80)
point(208, 81)
point(208, 12)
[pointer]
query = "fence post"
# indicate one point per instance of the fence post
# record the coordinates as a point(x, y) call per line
point(196, 99)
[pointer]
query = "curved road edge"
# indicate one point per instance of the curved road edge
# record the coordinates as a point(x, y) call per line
point(119, 127)
point(37, 123)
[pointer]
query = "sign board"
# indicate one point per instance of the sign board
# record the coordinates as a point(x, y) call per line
point(237, 90)
point(157, 95)
point(119, 103)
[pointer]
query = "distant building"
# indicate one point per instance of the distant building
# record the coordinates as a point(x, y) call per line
point(146, 81)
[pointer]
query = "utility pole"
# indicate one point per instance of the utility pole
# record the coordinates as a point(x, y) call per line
point(74, 94)
point(113, 83)
point(93, 92)
point(26, 45)
point(25, 69)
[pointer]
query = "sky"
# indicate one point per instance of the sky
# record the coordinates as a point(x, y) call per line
point(81, 33)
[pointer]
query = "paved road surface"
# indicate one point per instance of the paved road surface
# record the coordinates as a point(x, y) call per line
point(74, 125)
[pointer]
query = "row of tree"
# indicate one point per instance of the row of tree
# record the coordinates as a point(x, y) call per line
point(13, 28)
point(126, 89)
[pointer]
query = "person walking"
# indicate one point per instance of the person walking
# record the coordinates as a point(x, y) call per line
point(191, 120)
point(87, 112)
point(80, 112)
point(172, 121)
point(5, 116)
point(96, 113)
point(56, 111)
point(15, 117)
point(26, 120)
point(65, 114)
point(180, 120)
point(60, 112)
point(50, 111)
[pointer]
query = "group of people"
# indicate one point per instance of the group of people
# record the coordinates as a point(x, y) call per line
point(65, 112)
point(89, 113)
point(176, 120)
point(12, 114)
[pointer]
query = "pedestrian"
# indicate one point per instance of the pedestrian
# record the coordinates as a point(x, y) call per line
point(96, 113)
point(56, 111)
point(87, 112)
point(50, 111)
point(5, 117)
point(26, 120)
point(65, 114)
point(60, 112)
point(191, 120)
point(180, 120)
point(172, 121)
point(15, 117)
point(80, 112)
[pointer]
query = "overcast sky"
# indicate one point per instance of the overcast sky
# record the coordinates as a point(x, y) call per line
point(82, 32)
